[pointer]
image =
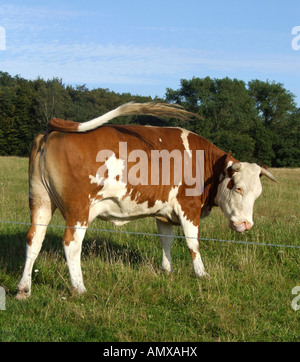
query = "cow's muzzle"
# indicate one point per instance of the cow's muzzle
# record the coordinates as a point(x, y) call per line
point(241, 227)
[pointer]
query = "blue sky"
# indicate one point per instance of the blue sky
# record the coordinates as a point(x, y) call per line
point(144, 46)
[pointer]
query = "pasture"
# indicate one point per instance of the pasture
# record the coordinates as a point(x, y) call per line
point(247, 298)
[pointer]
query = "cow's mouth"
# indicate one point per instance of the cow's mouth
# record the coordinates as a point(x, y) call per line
point(241, 227)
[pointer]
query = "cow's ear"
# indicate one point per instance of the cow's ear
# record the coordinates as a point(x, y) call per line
point(229, 171)
point(230, 184)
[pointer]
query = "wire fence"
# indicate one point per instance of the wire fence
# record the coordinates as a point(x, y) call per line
point(152, 234)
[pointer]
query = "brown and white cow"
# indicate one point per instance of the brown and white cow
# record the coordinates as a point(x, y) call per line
point(121, 173)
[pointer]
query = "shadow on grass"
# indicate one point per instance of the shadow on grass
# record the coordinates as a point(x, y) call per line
point(109, 251)
point(13, 246)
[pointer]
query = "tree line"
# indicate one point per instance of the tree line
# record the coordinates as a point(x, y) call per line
point(259, 121)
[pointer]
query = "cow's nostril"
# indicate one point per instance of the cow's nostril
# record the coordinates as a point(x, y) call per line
point(248, 225)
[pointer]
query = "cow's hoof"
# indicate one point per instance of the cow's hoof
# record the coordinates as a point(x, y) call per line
point(204, 275)
point(77, 291)
point(23, 294)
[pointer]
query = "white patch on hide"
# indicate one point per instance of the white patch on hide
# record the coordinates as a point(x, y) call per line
point(184, 137)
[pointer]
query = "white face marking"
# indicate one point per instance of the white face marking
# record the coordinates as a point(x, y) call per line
point(237, 202)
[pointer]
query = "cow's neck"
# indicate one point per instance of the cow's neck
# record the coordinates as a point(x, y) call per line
point(216, 162)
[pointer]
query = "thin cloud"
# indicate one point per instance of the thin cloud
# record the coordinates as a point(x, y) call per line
point(120, 63)
point(33, 50)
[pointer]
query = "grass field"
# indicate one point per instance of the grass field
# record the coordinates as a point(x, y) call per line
point(248, 297)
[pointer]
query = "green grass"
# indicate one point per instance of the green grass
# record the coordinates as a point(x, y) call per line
point(248, 297)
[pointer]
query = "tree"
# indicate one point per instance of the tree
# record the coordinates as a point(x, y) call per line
point(287, 142)
point(259, 122)
point(51, 100)
point(273, 101)
point(263, 152)
point(277, 133)
point(227, 108)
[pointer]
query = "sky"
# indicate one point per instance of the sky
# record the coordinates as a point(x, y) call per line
point(146, 46)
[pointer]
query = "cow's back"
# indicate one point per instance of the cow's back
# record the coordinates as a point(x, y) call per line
point(70, 165)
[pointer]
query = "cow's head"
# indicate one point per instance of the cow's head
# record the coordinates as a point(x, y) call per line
point(238, 191)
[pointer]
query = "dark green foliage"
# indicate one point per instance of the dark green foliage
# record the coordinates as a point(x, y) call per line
point(27, 106)
point(259, 122)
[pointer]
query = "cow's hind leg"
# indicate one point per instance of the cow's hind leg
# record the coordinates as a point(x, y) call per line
point(72, 241)
point(41, 213)
point(166, 237)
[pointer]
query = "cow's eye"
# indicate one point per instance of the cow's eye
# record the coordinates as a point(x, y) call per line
point(239, 190)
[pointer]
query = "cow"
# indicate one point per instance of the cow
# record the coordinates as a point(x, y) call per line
point(124, 172)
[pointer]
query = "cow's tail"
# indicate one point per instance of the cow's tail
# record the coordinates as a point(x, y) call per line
point(160, 110)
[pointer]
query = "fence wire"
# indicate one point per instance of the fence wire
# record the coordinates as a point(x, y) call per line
point(150, 234)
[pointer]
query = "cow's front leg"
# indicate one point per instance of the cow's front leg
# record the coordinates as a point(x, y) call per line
point(191, 233)
point(72, 242)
